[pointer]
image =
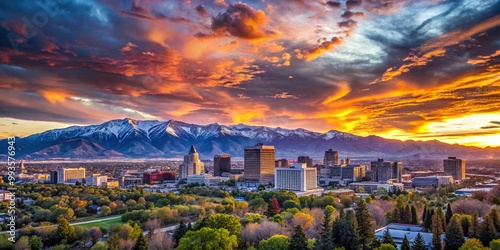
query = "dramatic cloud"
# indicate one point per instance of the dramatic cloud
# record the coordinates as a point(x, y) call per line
point(400, 69)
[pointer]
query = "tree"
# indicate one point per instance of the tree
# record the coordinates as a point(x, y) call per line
point(229, 222)
point(387, 238)
point(465, 221)
point(276, 241)
point(325, 240)
point(454, 236)
point(349, 237)
point(406, 215)
point(437, 231)
point(449, 213)
point(495, 217)
point(22, 243)
point(474, 226)
point(65, 231)
point(396, 215)
point(95, 234)
point(424, 213)
point(36, 243)
point(298, 241)
point(141, 243)
point(472, 244)
point(419, 243)
point(495, 244)
point(486, 231)
point(105, 210)
point(375, 243)
point(405, 245)
point(101, 245)
point(179, 232)
point(428, 219)
point(414, 216)
point(364, 221)
point(208, 238)
point(386, 247)
point(291, 204)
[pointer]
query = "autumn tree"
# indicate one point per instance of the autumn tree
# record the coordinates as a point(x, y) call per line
point(473, 244)
point(65, 231)
point(95, 234)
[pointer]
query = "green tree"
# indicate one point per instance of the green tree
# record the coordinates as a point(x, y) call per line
point(495, 244)
point(407, 215)
point(419, 243)
point(454, 236)
point(276, 241)
point(465, 222)
point(141, 243)
point(428, 219)
point(474, 227)
point(414, 216)
point(375, 243)
point(105, 210)
point(298, 241)
point(65, 231)
point(325, 240)
point(396, 215)
point(405, 245)
point(437, 231)
point(208, 239)
point(387, 238)
point(495, 217)
point(291, 204)
point(179, 232)
point(22, 243)
point(424, 213)
point(449, 213)
point(486, 231)
point(101, 245)
point(364, 221)
point(229, 222)
point(472, 244)
point(349, 237)
point(5, 243)
point(36, 243)
point(386, 247)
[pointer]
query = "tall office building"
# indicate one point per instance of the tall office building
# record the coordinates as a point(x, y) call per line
point(222, 163)
point(259, 163)
point(454, 167)
point(65, 174)
point(282, 163)
point(385, 170)
point(331, 158)
point(192, 164)
point(305, 159)
point(296, 178)
point(53, 177)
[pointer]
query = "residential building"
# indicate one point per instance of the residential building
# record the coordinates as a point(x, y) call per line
point(222, 164)
point(259, 164)
point(331, 158)
point(296, 178)
point(454, 167)
point(192, 164)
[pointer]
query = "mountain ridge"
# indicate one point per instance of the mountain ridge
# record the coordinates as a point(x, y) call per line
point(131, 138)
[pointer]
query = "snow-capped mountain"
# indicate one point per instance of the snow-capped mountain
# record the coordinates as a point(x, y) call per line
point(169, 139)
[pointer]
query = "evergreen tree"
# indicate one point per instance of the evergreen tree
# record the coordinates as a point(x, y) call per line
point(36, 243)
point(465, 221)
point(189, 227)
point(337, 226)
point(375, 243)
point(437, 231)
point(387, 238)
point(407, 215)
point(179, 232)
point(495, 217)
point(414, 216)
point(396, 215)
point(349, 237)
point(419, 243)
point(405, 245)
point(325, 238)
point(424, 214)
point(449, 213)
point(298, 241)
point(474, 227)
point(428, 219)
point(65, 231)
point(486, 231)
point(272, 207)
point(141, 243)
point(454, 236)
point(442, 218)
point(365, 230)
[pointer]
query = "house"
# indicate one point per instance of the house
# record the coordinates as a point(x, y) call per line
point(95, 209)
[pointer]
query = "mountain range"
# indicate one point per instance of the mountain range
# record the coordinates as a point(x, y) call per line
point(172, 139)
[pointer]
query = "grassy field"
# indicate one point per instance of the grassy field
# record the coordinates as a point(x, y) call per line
point(104, 224)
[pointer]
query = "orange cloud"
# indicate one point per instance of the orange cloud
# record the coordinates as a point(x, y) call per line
point(321, 49)
point(55, 96)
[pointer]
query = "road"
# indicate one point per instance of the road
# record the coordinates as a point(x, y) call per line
point(74, 223)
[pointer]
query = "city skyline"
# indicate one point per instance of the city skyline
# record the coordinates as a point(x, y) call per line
point(419, 70)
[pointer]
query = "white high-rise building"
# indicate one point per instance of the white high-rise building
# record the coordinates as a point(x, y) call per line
point(296, 178)
point(96, 180)
point(65, 174)
point(192, 164)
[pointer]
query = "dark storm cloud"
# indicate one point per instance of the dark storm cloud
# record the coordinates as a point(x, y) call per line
point(348, 14)
point(201, 10)
point(352, 3)
point(333, 4)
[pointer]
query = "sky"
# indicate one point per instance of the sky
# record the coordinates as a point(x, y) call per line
point(413, 69)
